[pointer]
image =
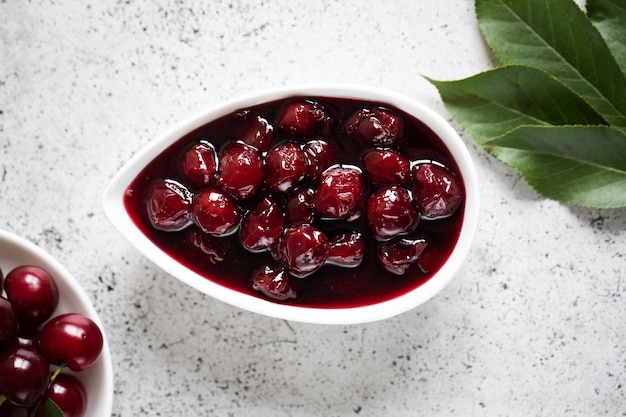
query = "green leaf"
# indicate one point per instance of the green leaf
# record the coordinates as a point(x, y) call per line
point(495, 102)
point(50, 409)
point(580, 165)
point(557, 37)
point(609, 17)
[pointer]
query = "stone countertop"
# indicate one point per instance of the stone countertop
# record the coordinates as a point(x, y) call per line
point(534, 325)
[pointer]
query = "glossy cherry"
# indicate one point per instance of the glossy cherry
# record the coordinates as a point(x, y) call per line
point(168, 204)
point(199, 165)
point(33, 293)
point(347, 249)
point(386, 167)
point(319, 155)
point(257, 132)
point(398, 256)
point(68, 393)
point(24, 375)
point(303, 249)
point(241, 170)
point(301, 119)
point(285, 167)
point(377, 126)
point(274, 282)
point(437, 191)
point(390, 213)
point(262, 226)
point(9, 326)
point(215, 212)
point(71, 339)
point(339, 192)
point(299, 207)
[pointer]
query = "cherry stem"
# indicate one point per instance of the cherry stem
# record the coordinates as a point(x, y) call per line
point(52, 378)
point(3, 398)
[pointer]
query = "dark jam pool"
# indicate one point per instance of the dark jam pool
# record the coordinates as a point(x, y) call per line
point(331, 286)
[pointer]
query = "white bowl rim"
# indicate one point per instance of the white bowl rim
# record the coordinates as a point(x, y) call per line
point(114, 208)
point(102, 404)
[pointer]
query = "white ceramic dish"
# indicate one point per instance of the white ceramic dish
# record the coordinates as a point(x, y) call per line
point(117, 214)
point(98, 379)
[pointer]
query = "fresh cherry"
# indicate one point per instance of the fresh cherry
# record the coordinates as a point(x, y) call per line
point(339, 191)
point(68, 393)
point(205, 248)
point(24, 375)
point(241, 170)
point(386, 167)
point(437, 192)
point(301, 119)
point(168, 205)
point(285, 167)
point(8, 323)
point(303, 249)
point(299, 207)
point(199, 164)
point(257, 132)
point(33, 294)
point(215, 212)
point(319, 155)
point(390, 213)
point(71, 339)
point(347, 250)
point(262, 226)
point(398, 256)
point(377, 126)
point(274, 282)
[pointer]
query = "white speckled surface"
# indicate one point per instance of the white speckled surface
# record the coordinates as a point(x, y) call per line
point(535, 325)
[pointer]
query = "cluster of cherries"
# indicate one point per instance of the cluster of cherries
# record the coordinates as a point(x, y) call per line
point(277, 193)
point(36, 346)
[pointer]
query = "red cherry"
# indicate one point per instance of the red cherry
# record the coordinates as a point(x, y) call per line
point(437, 192)
point(262, 226)
point(301, 119)
point(299, 206)
point(339, 192)
point(203, 247)
point(8, 323)
point(377, 126)
point(24, 375)
point(199, 165)
point(215, 212)
point(303, 249)
point(390, 213)
point(274, 282)
point(68, 393)
point(168, 204)
point(257, 132)
point(241, 170)
point(72, 339)
point(286, 167)
point(398, 256)
point(319, 155)
point(347, 250)
point(33, 294)
point(386, 167)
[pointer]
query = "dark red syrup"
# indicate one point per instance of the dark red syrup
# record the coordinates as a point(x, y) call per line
point(331, 286)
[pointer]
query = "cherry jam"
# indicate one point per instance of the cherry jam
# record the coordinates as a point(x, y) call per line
point(337, 236)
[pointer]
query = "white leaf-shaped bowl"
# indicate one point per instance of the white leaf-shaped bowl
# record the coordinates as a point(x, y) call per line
point(113, 202)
